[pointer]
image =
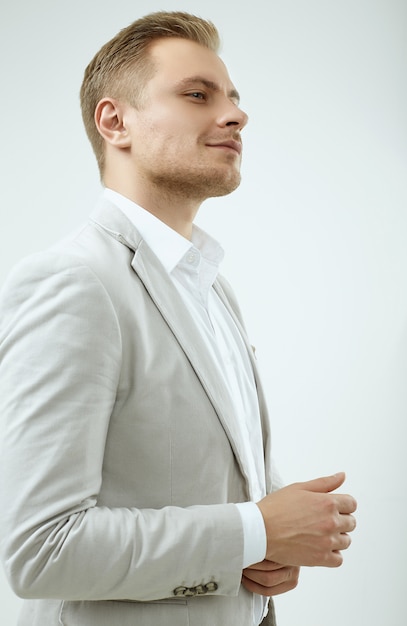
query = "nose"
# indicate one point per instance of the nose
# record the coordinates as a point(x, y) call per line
point(233, 115)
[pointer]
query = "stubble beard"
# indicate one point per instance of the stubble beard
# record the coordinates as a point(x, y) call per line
point(197, 184)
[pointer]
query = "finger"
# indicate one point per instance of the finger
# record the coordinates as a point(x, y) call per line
point(266, 566)
point(346, 524)
point(333, 559)
point(270, 578)
point(345, 503)
point(272, 583)
point(324, 484)
point(269, 591)
point(342, 542)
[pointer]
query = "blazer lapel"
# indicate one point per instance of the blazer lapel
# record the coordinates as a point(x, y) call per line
point(181, 323)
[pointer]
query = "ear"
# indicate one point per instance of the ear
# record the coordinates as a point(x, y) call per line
point(109, 120)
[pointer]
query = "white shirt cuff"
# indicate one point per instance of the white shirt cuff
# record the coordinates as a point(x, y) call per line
point(254, 533)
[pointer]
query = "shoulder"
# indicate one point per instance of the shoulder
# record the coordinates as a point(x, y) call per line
point(70, 278)
point(88, 253)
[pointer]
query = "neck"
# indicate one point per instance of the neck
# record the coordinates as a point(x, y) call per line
point(169, 206)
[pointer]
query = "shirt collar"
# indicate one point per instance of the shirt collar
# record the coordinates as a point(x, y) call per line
point(169, 246)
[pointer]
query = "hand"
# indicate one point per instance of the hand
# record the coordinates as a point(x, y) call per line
point(306, 524)
point(270, 579)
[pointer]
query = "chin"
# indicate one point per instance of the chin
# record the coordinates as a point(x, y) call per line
point(223, 188)
point(199, 185)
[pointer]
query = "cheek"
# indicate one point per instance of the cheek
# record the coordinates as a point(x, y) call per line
point(165, 132)
point(162, 117)
point(175, 134)
point(177, 122)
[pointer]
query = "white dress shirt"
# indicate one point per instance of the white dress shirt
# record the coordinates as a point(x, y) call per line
point(193, 267)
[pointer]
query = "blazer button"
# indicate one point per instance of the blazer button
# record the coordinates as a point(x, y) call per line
point(190, 592)
point(179, 591)
point(199, 590)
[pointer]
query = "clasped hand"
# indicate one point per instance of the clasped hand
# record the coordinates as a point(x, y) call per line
point(306, 524)
point(270, 579)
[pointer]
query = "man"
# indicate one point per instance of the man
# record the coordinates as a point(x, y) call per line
point(137, 486)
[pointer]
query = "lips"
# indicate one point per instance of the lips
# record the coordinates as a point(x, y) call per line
point(230, 143)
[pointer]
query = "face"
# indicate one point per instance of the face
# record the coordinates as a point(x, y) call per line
point(185, 138)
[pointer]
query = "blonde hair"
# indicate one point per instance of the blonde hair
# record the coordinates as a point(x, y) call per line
point(123, 66)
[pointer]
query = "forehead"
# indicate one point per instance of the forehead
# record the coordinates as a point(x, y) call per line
point(178, 59)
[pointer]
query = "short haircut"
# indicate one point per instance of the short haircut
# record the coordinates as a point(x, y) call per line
point(123, 65)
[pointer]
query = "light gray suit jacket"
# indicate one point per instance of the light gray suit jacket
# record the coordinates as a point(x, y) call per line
point(120, 457)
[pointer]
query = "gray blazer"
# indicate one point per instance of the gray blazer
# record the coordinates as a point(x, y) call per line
point(120, 456)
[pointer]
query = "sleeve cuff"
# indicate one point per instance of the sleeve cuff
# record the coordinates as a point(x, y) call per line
point(254, 533)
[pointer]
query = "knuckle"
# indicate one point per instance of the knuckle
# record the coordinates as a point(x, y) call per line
point(330, 525)
point(330, 504)
point(330, 543)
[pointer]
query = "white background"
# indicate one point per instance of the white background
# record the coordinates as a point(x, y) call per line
point(315, 238)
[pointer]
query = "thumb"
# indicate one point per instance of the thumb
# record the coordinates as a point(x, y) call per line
point(325, 484)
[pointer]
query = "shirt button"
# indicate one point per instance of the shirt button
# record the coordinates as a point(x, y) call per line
point(191, 257)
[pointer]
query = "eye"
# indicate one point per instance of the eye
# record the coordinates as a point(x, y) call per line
point(197, 95)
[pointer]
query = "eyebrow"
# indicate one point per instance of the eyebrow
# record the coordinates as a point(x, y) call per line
point(192, 81)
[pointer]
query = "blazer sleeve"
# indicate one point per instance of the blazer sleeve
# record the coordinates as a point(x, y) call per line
point(60, 358)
